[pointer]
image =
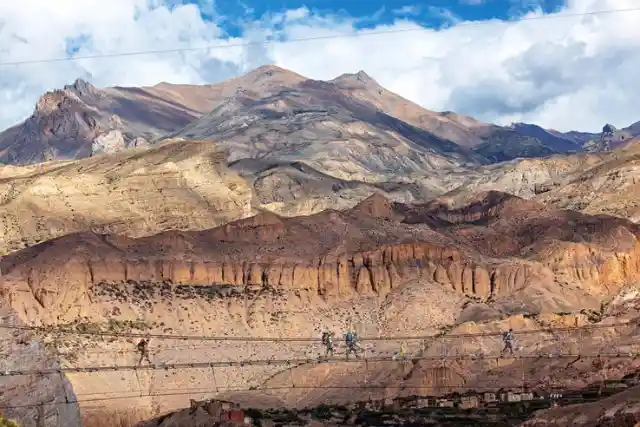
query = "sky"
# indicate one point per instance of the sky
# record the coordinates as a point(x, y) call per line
point(495, 60)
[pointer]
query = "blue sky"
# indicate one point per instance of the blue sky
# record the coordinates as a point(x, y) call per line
point(432, 13)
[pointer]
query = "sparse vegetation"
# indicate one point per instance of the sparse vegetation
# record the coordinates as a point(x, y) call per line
point(595, 316)
point(4, 422)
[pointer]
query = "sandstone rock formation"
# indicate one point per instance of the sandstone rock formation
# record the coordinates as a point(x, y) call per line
point(495, 247)
point(384, 268)
point(32, 400)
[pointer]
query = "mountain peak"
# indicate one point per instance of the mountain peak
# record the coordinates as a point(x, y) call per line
point(359, 78)
point(363, 77)
point(269, 71)
point(375, 206)
point(81, 87)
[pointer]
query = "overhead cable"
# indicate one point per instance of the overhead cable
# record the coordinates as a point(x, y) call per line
point(363, 33)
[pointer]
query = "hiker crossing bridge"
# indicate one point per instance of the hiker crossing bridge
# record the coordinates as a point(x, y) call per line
point(284, 363)
point(300, 362)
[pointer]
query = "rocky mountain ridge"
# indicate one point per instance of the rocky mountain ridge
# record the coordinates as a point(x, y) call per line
point(81, 120)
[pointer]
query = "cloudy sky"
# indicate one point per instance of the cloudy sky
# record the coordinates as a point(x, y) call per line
point(485, 58)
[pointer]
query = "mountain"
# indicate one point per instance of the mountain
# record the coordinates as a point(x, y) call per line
point(80, 119)
point(610, 186)
point(611, 137)
point(173, 185)
point(246, 113)
point(190, 185)
point(272, 205)
point(383, 268)
point(340, 135)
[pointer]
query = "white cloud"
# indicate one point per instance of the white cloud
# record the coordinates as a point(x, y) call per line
point(408, 10)
point(565, 73)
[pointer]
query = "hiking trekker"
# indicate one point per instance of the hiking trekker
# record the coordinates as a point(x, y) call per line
point(507, 338)
point(350, 340)
point(327, 341)
point(143, 349)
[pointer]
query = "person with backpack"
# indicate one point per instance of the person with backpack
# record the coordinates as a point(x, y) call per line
point(507, 338)
point(143, 349)
point(327, 341)
point(350, 341)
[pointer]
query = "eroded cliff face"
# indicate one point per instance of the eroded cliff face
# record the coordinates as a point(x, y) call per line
point(369, 250)
point(374, 272)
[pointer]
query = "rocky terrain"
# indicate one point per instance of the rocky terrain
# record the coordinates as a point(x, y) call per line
point(350, 112)
point(188, 185)
point(383, 268)
point(34, 400)
point(183, 185)
point(275, 206)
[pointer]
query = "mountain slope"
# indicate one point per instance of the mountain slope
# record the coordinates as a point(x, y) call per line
point(447, 125)
point(611, 186)
point(81, 120)
point(384, 269)
point(339, 135)
point(174, 185)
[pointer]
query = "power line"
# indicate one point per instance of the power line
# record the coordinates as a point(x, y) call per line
point(317, 38)
point(302, 361)
point(47, 329)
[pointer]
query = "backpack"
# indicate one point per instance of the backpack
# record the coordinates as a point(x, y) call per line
point(506, 336)
point(349, 337)
point(325, 338)
point(142, 345)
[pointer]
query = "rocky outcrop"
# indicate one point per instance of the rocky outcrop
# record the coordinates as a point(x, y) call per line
point(374, 272)
point(33, 400)
point(368, 250)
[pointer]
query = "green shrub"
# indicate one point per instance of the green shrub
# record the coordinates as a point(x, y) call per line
point(8, 423)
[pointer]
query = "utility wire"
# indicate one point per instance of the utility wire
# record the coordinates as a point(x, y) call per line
point(317, 38)
point(302, 361)
point(47, 329)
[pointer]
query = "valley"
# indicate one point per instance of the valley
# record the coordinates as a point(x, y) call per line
point(235, 223)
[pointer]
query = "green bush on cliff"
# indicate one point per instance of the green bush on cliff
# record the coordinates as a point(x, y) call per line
point(8, 423)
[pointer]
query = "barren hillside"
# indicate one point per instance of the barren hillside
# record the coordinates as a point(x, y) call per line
point(382, 268)
point(246, 112)
point(176, 185)
point(611, 186)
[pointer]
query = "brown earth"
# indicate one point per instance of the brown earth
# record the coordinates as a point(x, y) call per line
point(595, 183)
point(247, 112)
point(382, 268)
point(610, 186)
point(186, 185)
point(176, 185)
